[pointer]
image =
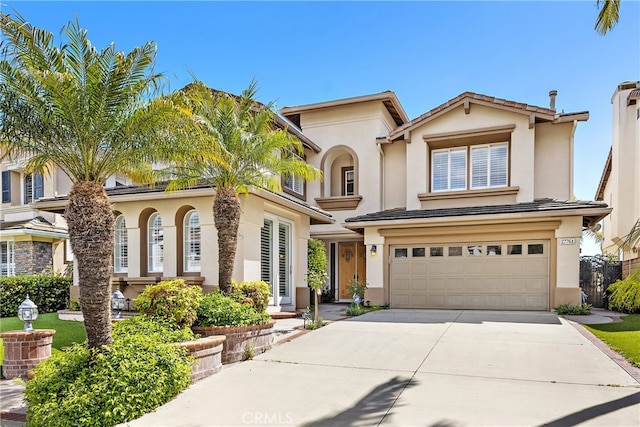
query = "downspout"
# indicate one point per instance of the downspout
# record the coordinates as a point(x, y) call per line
point(382, 175)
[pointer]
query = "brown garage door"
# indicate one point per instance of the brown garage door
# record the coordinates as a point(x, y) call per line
point(477, 275)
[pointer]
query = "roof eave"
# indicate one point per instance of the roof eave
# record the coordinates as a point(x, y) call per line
point(599, 212)
point(604, 178)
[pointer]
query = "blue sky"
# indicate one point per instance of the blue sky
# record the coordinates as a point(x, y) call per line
point(426, 52)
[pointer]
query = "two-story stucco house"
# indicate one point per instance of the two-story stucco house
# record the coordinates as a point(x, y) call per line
point(466, 206)
point(620, 181)
point(31, 240)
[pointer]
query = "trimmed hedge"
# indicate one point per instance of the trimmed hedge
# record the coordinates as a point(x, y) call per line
point(49, 292)
point(139, 372)
point(624, 295)
point(217, 309)
point(172, 300)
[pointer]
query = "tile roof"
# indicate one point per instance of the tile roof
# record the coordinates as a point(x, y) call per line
point(477, 97)
point(37, 223)
point(538, 205)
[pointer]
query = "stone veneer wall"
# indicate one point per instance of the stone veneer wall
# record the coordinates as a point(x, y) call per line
point(33, 257)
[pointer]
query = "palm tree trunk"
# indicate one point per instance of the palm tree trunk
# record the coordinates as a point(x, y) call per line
point(226, 214)
point(91, 232)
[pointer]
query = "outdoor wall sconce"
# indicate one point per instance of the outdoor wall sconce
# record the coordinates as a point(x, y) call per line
point(27, 312)
point(117, 303)
point(374, 250)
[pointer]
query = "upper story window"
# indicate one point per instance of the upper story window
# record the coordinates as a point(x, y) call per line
point(348, 181)
point(449, 169)
point(155, 244)
point(192, 248)
point(33, 187)
point(489, 166)
point(294, 184)
point(6, 186)
point(121, 246)
point(7, 259)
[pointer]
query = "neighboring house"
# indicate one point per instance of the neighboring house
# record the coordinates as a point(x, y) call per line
point(466, 206)
point(620, 182)
point(31, 241)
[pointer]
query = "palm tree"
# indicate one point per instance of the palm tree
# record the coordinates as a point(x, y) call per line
point(632, 240)
point(251, 153)
point(90, 113)
point(608, 16)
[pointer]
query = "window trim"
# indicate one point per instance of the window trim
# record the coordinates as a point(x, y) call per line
point(346, 170)
point(151, 241)
point(121, 241)
point(469, 171)
point(6, 186)
point(186, 240)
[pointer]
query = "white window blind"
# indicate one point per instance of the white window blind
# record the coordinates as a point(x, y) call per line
point(489, 165)
point(449, 169)
point(121, 246)
point(191, 246)
point(155, 244)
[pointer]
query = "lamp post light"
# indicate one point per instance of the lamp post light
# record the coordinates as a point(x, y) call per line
point(117, 303)
point(27, 312)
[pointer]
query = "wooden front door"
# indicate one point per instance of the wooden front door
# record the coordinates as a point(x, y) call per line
point(352, 266)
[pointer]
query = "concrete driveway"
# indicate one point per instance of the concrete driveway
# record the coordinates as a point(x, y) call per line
point(419, 368)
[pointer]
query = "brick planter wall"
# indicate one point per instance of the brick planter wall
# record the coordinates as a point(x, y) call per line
point(24, 350)
point(207, 353)
point(239, 339)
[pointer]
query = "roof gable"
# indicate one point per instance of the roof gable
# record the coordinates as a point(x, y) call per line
point(465, 100)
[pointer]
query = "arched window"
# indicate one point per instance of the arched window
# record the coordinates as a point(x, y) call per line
point(155, 243)
point(191, 245)
point(121, 246)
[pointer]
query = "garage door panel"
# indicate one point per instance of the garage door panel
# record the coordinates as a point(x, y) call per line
point(506, 279)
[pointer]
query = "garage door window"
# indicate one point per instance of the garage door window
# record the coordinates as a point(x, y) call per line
point(535, 249)
point(401, 252)
point(475, 250)
point(514, 249)
point(436, 251)
point(455, 250)
point(418, 252)
point(494, 249)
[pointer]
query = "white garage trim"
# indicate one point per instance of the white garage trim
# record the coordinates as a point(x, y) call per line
point(507, 275)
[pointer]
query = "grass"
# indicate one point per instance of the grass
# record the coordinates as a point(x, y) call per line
point(67, 331)
point(623, 337)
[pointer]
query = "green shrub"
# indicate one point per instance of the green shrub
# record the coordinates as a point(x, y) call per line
point(357, 287)
point(217, 309)
point(136, 374)
point(50, 292)
point(568, 309)
point(316, 264)
point(355, 310)
point(159, 329)
point(172, 300)
point(624, 295)
point(256, 294)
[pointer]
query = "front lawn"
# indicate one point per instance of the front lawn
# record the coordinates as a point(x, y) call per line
point(67, 331)
point(623, 337)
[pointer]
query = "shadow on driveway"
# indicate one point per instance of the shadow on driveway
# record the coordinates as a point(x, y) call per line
point(433, 316)
point(595, 411)
point(371, 409)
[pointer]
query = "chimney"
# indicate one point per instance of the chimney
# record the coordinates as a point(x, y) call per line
point(552, 99)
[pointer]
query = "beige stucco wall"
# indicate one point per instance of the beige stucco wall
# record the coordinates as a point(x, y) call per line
point(247, 261)
point(395, 175)
point(356, 127)
point(622, 191)
point(553, 161)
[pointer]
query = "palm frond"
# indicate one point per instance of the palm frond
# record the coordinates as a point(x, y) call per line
point(632, 240)
point(608, 16)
